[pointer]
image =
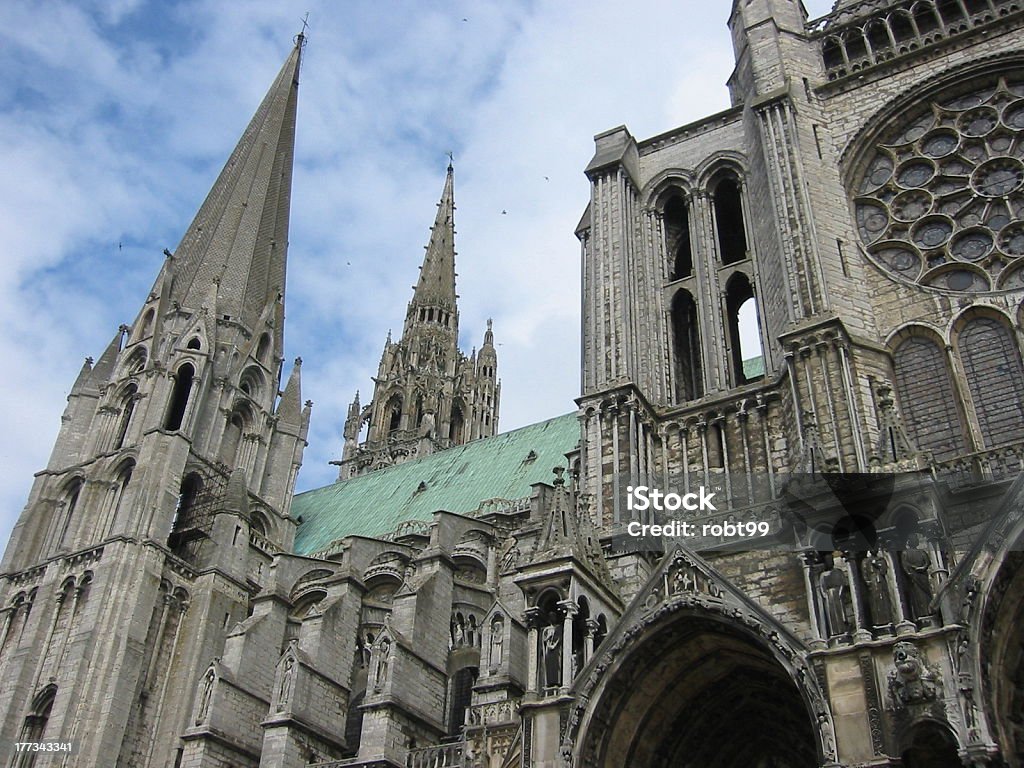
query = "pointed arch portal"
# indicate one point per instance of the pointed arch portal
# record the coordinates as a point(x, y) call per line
point(698, 689)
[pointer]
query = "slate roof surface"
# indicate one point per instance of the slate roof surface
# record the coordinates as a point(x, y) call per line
point(455, 480)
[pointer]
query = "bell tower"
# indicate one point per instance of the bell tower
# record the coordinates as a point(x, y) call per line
point(170, 480)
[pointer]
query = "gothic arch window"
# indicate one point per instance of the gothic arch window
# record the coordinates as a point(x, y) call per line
point(689, 377)
point(457, 425)
point(354, 724)
point(147, 324)
point(460, 697)
point(188, 502)
point(251, 383)
point(263, 349)
point(901, 24)
point(732, 233)
point(235, 428)
point(127, 409)
point(939, 196)
point(121, 480)
point(393, 413)
point(35, 724)
point(69, 506)
point(194, 343)
point(927, 398)
point(744, 327)
point(179, 397)
point(995, 379)
point(676, 215)
point(136, 361)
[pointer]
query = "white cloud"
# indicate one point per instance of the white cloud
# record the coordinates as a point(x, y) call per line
point(116, 117)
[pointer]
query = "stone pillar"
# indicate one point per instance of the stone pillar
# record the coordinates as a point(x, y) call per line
point(533, 618)
point(860, 631)
point(570, 608)
point(588, 640)
point(810, 561)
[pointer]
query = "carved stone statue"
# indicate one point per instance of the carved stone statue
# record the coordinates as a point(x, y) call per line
point(511, 555)
point(284, 689)
point(497, 642)
point(551, 646)
point(204, 700)
point(876, 578)
point(383, 652)
point(911, 681)
point(833, 591)
point(915, 564)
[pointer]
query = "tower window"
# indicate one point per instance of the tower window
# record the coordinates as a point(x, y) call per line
point(461, 696)
point(71, 496)
point(744, 329)
point(127, 409)
point(455, 429)
point(689, 378)
point(179, 397)
point(677, 238)
point(263, 350)
point(732, 235)
point(394, 414)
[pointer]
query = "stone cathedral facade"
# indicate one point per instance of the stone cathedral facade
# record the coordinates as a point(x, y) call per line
point(466, 598)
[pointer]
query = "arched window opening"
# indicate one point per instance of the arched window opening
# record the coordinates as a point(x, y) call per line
point(354, 724)
point(689, 377)
point(732, 234)
point(744, 330)
point(233, 431)
point(188, 496)
point(931, 746)
point(995, 379)
point(127, 409)
point(677, 238)
point(419, 411)
point(147, 324)
point(123, 478)
point(950, 11)
point(258, 524)
point(179, 397)
point(926, 19)
point(460, 698)
point(856, 48)
point(878, 36)
point(901, 26)
point(194, 343)
point(69, 504)
point(927, 400)
point(716, 446)
point(263, 348)
point(34, 728)
point(137, 361)
point(832, 52)
point(393, 414)
point(457, 426)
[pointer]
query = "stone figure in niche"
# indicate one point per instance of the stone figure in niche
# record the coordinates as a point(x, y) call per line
point(911, 681)
point(286, 682)
point(833, 591)
point(915, 564)
point(876, 578)
point(497, 642)
point(383, 652)
point(207, 694)
point(551, 646)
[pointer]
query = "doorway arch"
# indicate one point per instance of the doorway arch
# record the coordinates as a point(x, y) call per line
point(697, 685)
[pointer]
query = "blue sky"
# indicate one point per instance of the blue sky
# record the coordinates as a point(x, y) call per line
point(115, 118)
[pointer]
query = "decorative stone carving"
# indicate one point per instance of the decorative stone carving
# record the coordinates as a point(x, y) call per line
point(911, 681)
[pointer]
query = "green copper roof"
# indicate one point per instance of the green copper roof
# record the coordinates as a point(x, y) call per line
point(455, 480)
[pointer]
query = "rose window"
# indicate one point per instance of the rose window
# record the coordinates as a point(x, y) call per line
point(940, 201)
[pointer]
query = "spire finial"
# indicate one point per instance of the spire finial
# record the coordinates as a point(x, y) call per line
point(300, 39)
point(451, 162)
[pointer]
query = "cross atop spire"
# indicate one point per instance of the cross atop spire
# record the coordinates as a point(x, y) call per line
point(240, 234)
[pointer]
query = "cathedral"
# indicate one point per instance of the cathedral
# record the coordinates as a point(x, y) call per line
point(851, 594)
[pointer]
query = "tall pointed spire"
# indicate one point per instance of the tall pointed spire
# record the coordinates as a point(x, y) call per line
point(240, 234)
point(436, 286)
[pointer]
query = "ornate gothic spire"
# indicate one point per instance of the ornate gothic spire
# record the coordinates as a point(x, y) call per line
point(240, 234)
point(436, 285)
